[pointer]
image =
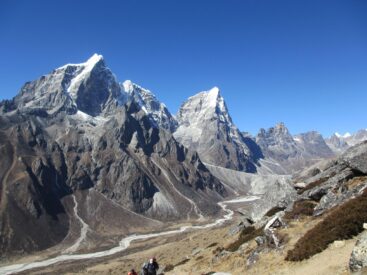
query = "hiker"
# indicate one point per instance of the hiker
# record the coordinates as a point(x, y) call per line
point(144, 269)
point(132, 272)
point(152, 266)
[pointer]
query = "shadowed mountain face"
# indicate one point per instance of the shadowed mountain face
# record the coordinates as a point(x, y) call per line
point(75, 129)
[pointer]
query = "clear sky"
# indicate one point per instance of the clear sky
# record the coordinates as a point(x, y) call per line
point(303, 62)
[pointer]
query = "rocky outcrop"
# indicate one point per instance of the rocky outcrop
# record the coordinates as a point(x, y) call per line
point(337, 181)
point(358, 259)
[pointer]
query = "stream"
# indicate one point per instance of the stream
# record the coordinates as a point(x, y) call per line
point(125, 242)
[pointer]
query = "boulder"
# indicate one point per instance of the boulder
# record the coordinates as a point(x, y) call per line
point(300, 185)
point(260, 240)
point(358, 259)
point(356, 157)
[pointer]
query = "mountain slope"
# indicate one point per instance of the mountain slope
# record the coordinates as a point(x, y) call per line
point(339, 143)
point(204, 125)
point(151, 105)
point(291, 152)
point(69, 131)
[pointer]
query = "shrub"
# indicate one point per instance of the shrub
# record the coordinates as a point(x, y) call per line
point(247, 234)
point(212, 245)
point(217, 250)
point(169, 267)
point(301, 208)
point(344, 222)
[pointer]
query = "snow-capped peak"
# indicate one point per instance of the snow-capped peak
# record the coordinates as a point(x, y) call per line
point(215, 90)
point(148, 102)
point(346, 135)
point(84, 69)
point(95, 58)
point(128, 86)
point(204, 122)
point(213, 94)
point(91, 62)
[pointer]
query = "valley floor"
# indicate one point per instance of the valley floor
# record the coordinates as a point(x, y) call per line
point(196, 252)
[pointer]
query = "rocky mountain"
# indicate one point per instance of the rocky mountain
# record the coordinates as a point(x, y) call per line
point(204, 125)
point(151, 106)
point(339, 143)
point(336, 143)
point(76, 132)
point(285, 153)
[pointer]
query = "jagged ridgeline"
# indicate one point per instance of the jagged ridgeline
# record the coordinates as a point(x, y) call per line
point(82, 151)
point(77, 129)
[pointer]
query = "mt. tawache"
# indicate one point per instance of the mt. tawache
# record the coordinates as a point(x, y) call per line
point(82, 151)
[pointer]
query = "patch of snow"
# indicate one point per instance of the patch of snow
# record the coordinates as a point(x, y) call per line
point(213, 96)
point(87, 118)
point(82, 73)
point(128, 86)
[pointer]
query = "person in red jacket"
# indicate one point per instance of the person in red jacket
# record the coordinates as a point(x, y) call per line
point(132, 272)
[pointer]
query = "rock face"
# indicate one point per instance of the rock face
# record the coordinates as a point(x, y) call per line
point(339, 143)
point(338, 180)
point(286, 154)
point(151, 105)
point(76, 129)
point(358, 259)
point(204, 125)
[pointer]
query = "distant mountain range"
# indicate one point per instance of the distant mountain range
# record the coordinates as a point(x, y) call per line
point(339, 143)
point(115, 147)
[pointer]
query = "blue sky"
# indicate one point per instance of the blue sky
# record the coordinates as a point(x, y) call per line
point(302, 62)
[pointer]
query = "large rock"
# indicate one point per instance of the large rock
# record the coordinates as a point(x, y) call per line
point(358, 259)
point(356, 157)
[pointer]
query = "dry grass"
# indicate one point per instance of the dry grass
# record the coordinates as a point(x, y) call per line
point(342, 223)
point(354, 182)
point(247, 234)
point(301, 208)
